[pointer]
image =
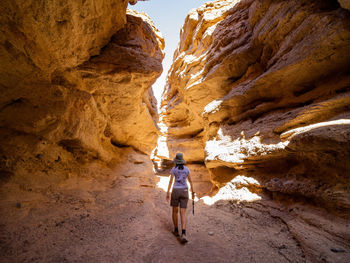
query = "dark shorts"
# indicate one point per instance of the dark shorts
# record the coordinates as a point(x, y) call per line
point(179, 196)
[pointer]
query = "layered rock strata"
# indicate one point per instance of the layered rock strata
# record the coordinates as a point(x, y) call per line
point(77, 116)
point(75, 85)
point(260, 89)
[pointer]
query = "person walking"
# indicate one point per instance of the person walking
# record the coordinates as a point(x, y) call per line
point(179, 194)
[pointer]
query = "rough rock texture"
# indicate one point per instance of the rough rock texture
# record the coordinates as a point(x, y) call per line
point(260, 89)
point(39, 37)
point(75, 85)
point(344, 4)
point(117, 215)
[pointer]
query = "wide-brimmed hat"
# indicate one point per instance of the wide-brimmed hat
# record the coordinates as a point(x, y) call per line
point(179, 159)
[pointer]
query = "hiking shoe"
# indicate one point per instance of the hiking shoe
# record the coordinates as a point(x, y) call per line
point(176, 233)
point(183, 239)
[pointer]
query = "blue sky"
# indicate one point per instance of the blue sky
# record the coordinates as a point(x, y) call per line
point(168, 16)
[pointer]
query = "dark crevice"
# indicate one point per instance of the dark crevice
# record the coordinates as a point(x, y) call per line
point(327, 5)
point(226, 120)
point(16, 101)
point(231, 123)
point(343, 90)
point(233, 79)
point(304, 90)
point(197, 133)
point(118, 144)
point(123, 146)
point(306, 103)
point(95, 56)
point(197, 162)
point(5, 176)
point(257, 116)
point(191, 135)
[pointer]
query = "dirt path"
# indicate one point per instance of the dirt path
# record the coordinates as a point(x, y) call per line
point(122, 217)
point(225, 233)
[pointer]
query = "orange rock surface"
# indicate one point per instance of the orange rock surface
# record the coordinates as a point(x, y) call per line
point(261, 89)
point(75, 84)
point(344, 4)
point(257, 99)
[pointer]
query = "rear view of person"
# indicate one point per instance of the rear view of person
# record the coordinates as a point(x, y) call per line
point(179, 194)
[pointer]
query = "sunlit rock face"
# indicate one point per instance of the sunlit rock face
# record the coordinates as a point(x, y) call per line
point(261, 89)
point(75, 84)
point(120, 80)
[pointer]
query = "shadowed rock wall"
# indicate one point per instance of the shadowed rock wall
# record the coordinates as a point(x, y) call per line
point(75, 84)
point(261, 89)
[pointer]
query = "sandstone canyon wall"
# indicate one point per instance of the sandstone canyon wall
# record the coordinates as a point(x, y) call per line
point(75, 85)
point(260, 90)
point(76, 113)
point(258, 95)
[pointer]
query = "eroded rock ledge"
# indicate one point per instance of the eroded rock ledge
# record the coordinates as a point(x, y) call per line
point(76, 82)
point(261, 89)
point(259, 94)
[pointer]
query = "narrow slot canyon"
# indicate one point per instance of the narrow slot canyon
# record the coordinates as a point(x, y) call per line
point(257, 98)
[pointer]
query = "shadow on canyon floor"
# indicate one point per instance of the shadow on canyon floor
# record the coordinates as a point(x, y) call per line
point(119, 215)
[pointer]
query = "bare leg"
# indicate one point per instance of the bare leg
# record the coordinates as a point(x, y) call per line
point(183, 218)
point(175, 216)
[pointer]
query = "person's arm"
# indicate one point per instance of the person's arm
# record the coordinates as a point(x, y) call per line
point(169, 186)
point(191, 184)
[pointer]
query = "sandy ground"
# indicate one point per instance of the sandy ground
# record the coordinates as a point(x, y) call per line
point(121, 216)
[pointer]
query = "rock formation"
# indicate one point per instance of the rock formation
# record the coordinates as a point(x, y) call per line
point(76, 113)
point(257, 99)
point(261, 89)
point(344, 4)
point(259, 93)
point(75, 84)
